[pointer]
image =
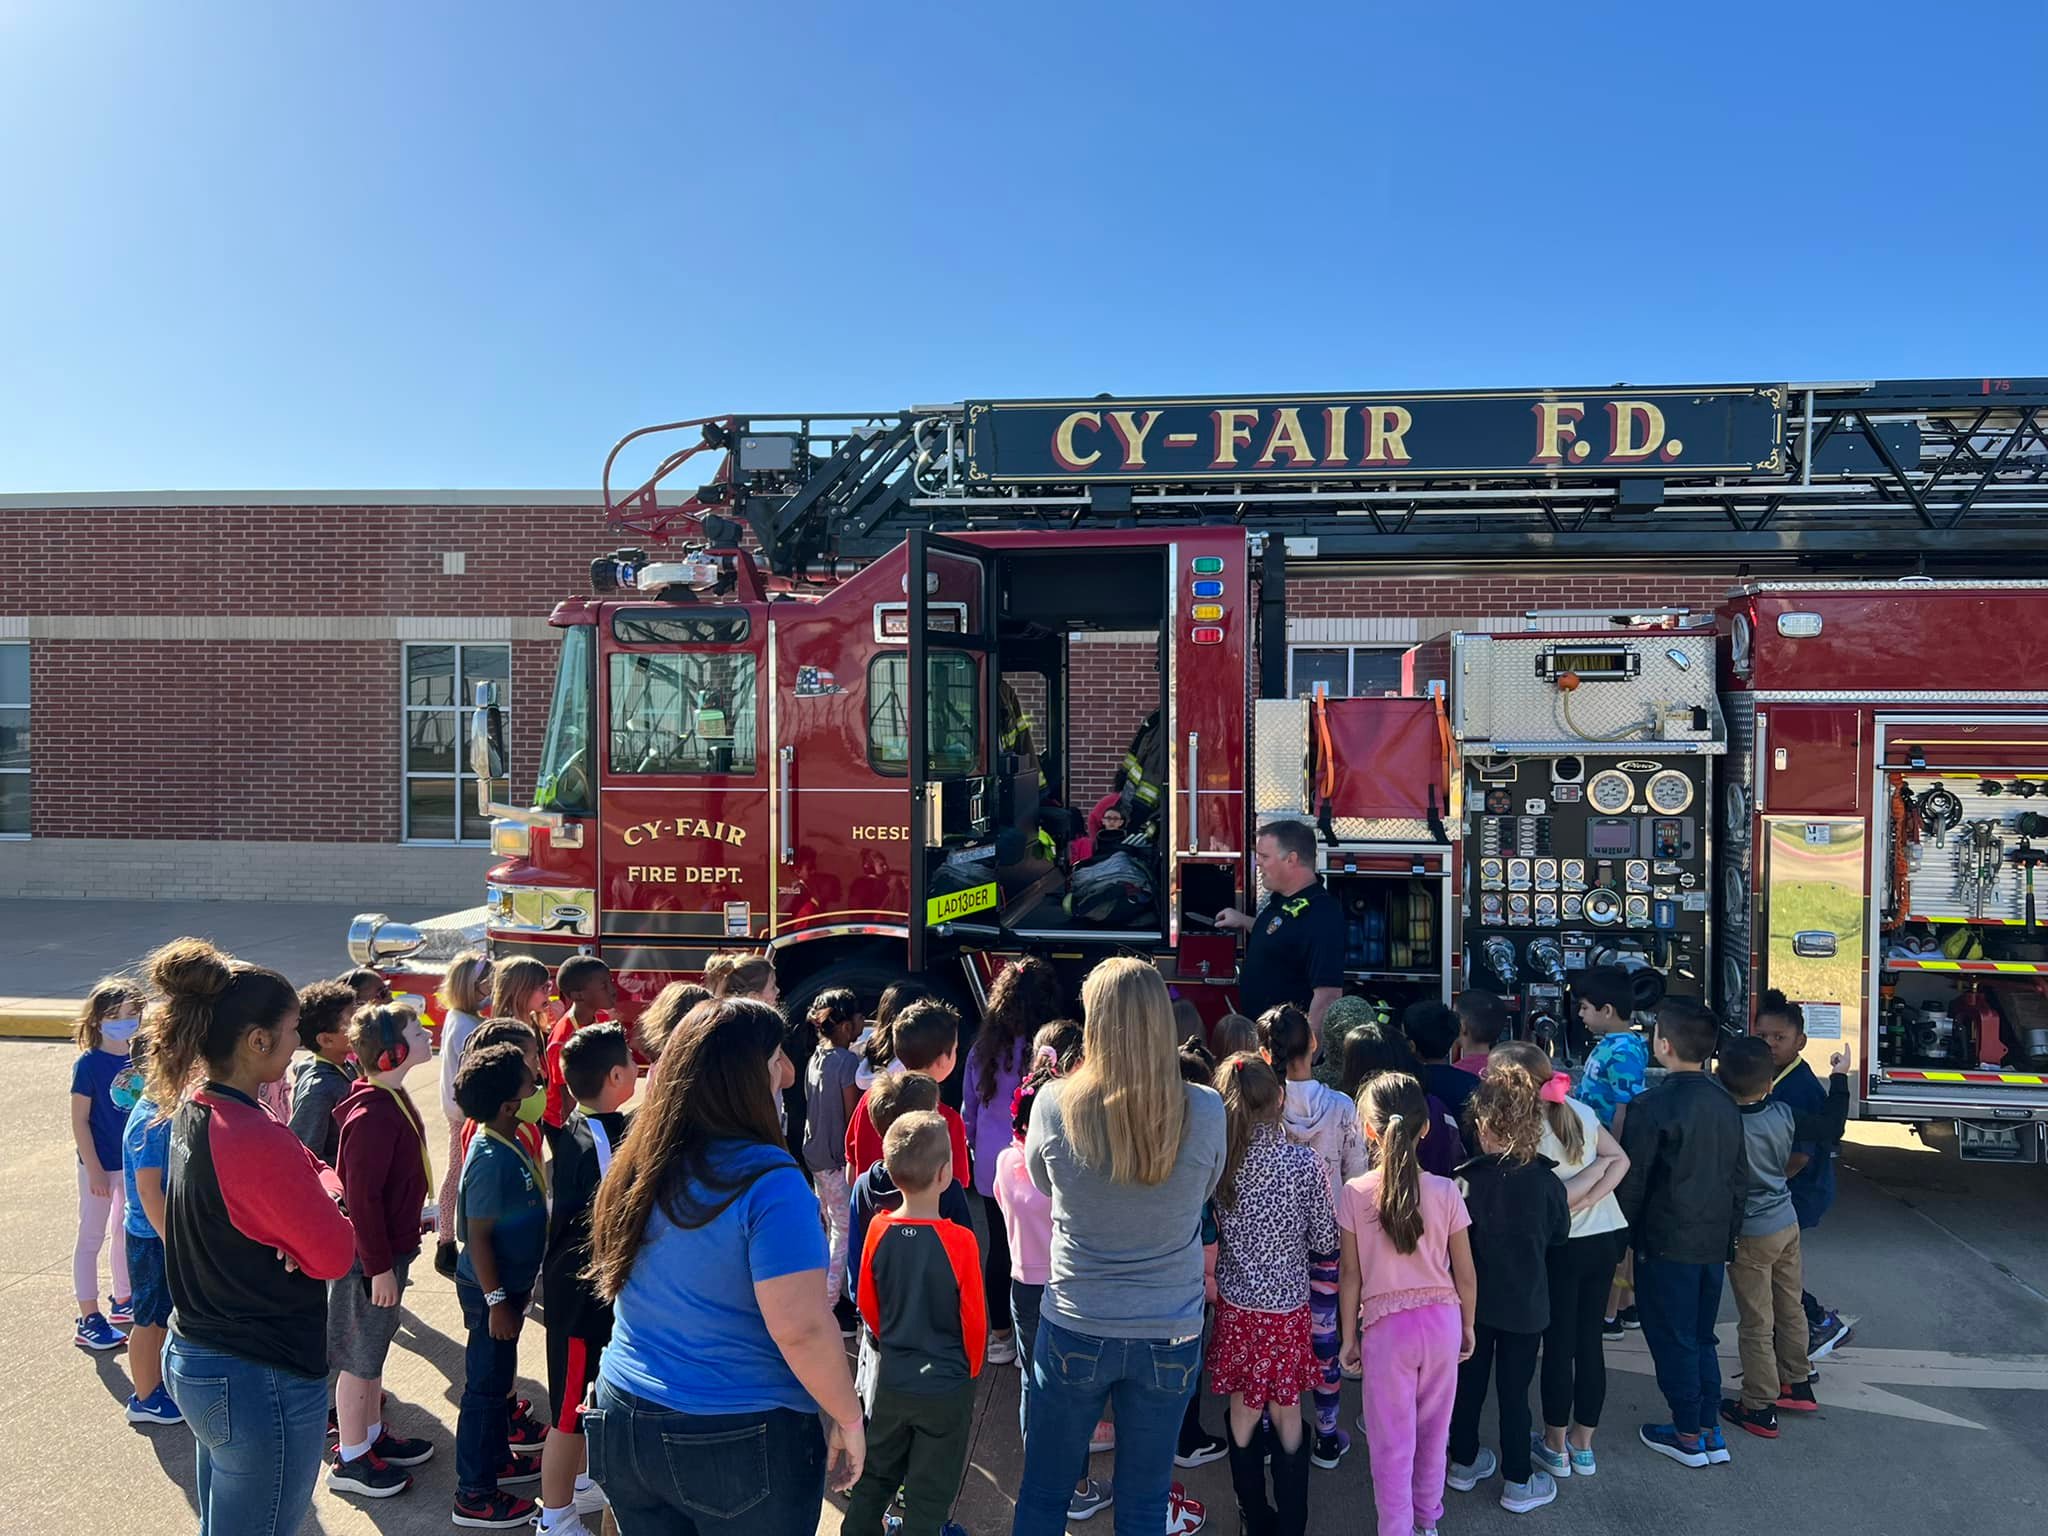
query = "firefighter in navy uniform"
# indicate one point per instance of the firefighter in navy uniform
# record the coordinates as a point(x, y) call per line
point(1294, 950)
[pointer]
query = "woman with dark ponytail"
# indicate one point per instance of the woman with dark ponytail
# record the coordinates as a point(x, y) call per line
point(252, 1235)
point(1406, 1295)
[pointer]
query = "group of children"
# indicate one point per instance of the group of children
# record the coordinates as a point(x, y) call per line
point(1450, 1212)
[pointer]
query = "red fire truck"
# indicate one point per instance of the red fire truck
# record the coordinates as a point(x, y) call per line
point(833, 716)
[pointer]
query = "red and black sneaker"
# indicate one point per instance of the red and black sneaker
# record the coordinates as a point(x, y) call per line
point(1798, 1398)
point(493, 1511)
point(519, 1467)
point(369, 1475)
point(523, 1430)
point(1761, 1422)
point(400, 1450)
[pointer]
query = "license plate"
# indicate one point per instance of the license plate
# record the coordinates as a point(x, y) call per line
point(1979, 1141)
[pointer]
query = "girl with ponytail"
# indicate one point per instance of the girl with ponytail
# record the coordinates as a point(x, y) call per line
point(1406, 1292)
point(252, 1233)
point(1589, 1163)
point(1519, 1217)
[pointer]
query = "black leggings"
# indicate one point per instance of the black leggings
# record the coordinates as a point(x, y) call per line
point(1574, 1366)
point(1510, 1360)
point(995, 1265)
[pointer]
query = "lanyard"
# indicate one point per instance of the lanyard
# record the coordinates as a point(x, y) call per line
point(532, 1167)
point(1786, 1073)
point(412, 1119)
point(603, 1143)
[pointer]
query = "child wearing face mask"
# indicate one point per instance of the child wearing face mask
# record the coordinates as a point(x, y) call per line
point(386, 1171)
point(106, 1024)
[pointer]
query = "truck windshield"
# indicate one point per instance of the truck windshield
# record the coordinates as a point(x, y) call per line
point(564, 780)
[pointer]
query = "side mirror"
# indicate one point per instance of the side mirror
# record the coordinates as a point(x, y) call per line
point(486, 743)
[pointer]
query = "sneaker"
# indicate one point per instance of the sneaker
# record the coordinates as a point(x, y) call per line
point(1466, 1478)
point(1663, 1439)
point(1520, 1498)
point(1556, 1463)
point(157, 1408)
point(525, 1432)
point(1613, 1328)
point(1199, 1450)
point(1184, 1516)
point(369, 1475)
point(121, 1313)
point(400, 1450)
point(1761, 1422)
point(1583, 1464)
point(568, 1523)
point(1104, 1438)
point(520, 1467)
point(590, 1499)
point(1628, 1317)
point(1715, 1444)
point(96, 1332)
point(1002, 1349)
point(1798, 1398)
point(444, 1259)
point(1083, 1505)
point(493, 1511)
point(1824, 1335)
point(1329, 1449)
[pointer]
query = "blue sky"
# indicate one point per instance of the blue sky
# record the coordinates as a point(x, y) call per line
point(459, 244)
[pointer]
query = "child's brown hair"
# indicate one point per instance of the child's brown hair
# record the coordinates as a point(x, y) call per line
point(1252, 1097)
point(370, 1027)
point(916, 1149)
point(738, 973)
point(1528, 1060)
point(1233, 1033)
point(897, 1094)
point(103, 1003)
point(1507, 1108)
point(1396, 1112)
point(835, 1015)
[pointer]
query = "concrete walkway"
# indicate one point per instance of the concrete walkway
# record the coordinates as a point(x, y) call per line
point(56, 950)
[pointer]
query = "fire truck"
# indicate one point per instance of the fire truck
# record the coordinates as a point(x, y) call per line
point(826, 706)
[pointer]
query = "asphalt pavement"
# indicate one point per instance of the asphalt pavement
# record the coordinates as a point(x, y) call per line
point(1931, 1418)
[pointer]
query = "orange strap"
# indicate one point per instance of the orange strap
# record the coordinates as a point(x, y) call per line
point(1321, 752)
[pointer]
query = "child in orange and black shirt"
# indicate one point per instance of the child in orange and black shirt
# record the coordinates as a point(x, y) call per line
point(921, 1297)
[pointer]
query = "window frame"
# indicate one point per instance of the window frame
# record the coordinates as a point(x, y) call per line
point(26, 704)
point(607, 658)
point(1351, 654)
point(463, 779)
point(899, 657)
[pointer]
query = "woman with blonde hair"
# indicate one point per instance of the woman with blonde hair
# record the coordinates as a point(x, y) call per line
point(1129, 1153)
point(465, 994)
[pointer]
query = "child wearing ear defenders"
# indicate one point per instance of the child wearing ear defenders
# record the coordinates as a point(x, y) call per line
point(382, 1158)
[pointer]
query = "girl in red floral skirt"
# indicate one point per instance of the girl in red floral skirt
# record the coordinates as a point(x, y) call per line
point(1272, 1211)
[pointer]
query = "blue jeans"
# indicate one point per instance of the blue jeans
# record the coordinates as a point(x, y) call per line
point(261, 1433)
point(488, 1368)
point(686, 1474)
point(1677, 1303)
point(1024, 1305)
point(1072, 1376)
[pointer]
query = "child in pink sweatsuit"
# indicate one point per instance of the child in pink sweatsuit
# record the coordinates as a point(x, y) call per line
point(1406, 1292)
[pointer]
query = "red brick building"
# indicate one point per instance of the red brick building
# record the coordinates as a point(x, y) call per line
point(256, 695)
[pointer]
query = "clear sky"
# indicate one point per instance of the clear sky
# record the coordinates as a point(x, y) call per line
point(445, 243)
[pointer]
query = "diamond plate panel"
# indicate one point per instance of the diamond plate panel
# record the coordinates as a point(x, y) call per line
point(1279, 757)
point(1503, 696)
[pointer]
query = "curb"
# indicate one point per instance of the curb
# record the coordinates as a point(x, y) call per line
point(37, 1019)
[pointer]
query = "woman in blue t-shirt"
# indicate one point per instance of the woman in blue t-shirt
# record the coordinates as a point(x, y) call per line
point(723, 1352)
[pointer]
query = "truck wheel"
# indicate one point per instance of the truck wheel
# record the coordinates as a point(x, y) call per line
point(868, 977)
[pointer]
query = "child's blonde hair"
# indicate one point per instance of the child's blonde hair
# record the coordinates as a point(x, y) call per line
point(1528, 1060)
point(738, 973)
point(1507, 1108)
point(103, 1003)
point(466, 985)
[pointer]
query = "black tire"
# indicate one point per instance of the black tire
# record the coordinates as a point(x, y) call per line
point(868, 976)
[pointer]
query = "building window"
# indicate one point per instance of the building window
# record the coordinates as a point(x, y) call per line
point(1343, 671)
point(14, 744)
point(440, 791)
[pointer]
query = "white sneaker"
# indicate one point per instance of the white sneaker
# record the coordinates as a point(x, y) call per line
point(570, 1524)
point(590, 1499)
point(1002, 1349)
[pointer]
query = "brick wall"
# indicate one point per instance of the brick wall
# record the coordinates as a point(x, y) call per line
point(1115, 686)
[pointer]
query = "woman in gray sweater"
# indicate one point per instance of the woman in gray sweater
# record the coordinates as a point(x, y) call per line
point(1129, 1153)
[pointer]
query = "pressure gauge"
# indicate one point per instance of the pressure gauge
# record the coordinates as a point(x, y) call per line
point(1574, 874)
point(1574, 907)
point(1546, 874)
point(1668, 791)
point(1637, 873)
point(1491, 877)
point(1610, 791)
point(1518, 911)
point(1638, 911)
point(1518, 874)
point(1546, 909)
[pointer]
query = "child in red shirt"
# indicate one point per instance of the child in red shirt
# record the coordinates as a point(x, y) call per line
point(585, 986)
point(927, 1039)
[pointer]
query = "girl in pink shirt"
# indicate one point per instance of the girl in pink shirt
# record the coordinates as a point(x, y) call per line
point(1406, 1291)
